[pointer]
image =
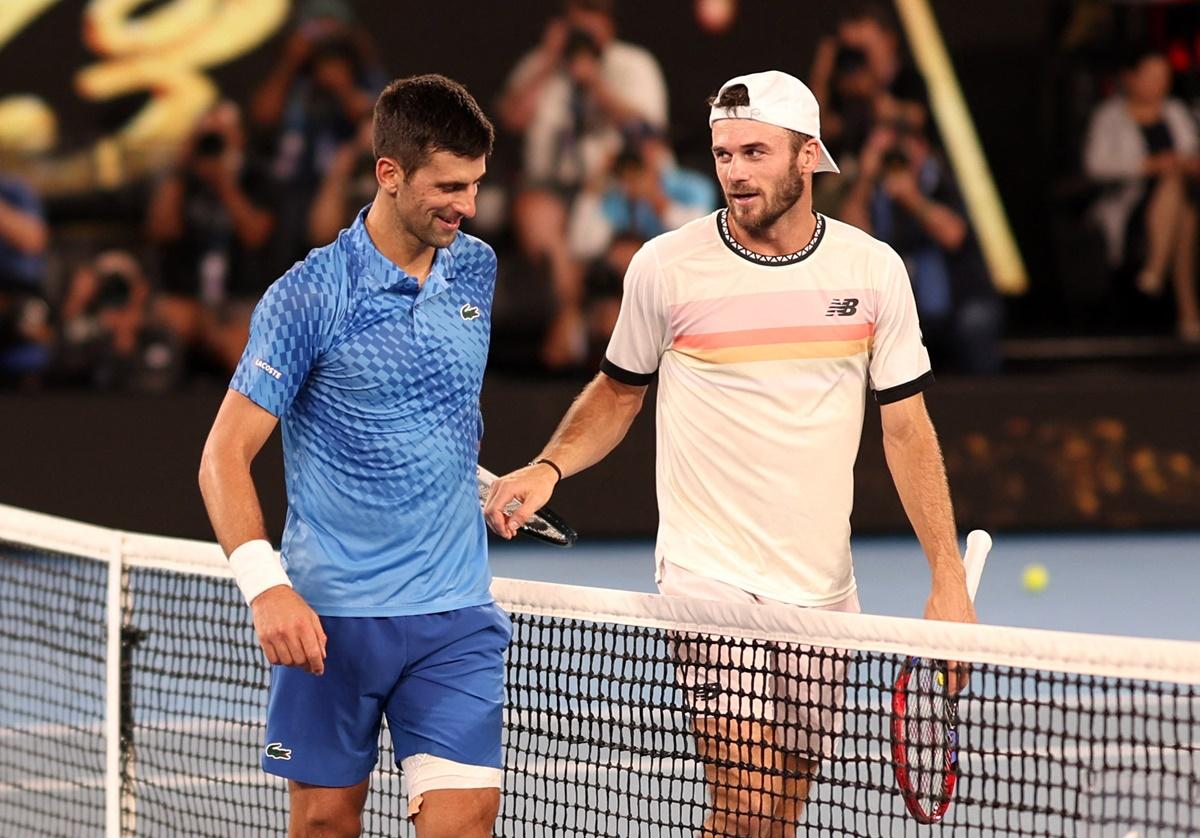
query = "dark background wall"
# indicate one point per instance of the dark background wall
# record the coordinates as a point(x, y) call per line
point(1098, 451)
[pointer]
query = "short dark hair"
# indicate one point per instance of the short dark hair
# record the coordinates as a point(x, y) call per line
point(874, 11)
point(734, 96)
point(1131, 56)
point(738, 96)
point(416, 116)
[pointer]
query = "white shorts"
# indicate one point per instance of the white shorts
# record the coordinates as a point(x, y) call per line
point(798, 690)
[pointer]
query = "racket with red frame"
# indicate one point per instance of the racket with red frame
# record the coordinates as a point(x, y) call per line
point(925, 716)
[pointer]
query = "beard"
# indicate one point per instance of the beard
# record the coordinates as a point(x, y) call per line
point(785, 196)
point(415, 222)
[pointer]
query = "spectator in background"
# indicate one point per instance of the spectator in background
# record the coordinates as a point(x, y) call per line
point(868, 34)
point(1142, 146)
point(645, 193)
point(25, 331)
point(348, 186)
point(314, 102)
point(108, 336)
point(858, 97)
point(570, 98)
point(906, 196)
point(212, 220)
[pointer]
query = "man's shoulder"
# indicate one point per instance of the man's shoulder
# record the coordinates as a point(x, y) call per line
point(625, 52)
point(321, 279)
point(696, 235)
point(846, 237)
point(1112, 109)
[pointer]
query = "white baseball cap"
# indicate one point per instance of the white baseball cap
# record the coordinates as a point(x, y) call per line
point(778, 99)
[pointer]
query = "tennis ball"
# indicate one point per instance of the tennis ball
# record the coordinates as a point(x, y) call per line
point(1035, 578)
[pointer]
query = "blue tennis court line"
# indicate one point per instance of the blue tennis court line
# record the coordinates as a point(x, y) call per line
point(1142, 584)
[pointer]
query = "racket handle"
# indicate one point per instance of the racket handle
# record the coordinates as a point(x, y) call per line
point(978, 545)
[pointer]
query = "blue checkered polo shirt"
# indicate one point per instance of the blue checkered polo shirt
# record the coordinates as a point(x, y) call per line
point(376, 382)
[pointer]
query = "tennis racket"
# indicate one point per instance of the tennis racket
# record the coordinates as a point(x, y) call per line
point(543, 526)
point(925, 717)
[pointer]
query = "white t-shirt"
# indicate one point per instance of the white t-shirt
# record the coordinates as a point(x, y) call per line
point(554, 153)
point(763, 366)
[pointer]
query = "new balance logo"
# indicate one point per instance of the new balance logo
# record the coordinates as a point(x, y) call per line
point(275, 750)
point(468, 312)
point(268, 369)
point(842, 307)
point(707, 692)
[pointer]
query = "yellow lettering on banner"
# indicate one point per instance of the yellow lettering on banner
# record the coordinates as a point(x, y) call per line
point(164, 53)
point(26, 122)
point(16, 14)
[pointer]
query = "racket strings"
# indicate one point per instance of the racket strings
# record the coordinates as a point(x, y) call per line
point(930, 717)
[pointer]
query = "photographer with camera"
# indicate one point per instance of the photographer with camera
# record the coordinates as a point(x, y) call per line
point(108, 337)
point(211, 218)
point(906, 196)
point(570, 98)
point(312, 104)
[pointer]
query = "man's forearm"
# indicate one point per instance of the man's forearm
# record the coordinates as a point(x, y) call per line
point(594, 425)
point(232, 502)
point(251, 225)
point(915, 461)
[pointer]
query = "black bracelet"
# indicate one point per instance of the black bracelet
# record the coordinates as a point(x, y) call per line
point(552, 465)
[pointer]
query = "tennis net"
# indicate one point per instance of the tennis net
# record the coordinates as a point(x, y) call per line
point(132, 695)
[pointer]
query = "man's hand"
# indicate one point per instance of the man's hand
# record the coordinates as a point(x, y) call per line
point(1165, 163)
point(532, 485)
point(901, 186)
point(949, 601)
point(870, 161)
point(289, 631)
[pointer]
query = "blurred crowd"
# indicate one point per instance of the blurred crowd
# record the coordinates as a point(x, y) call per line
point(591, 173)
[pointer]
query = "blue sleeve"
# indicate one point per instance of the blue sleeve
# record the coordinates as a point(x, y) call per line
point(21, 196)
point(291, 327)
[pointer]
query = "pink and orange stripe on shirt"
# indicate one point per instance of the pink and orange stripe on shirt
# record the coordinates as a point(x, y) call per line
point(766, 327)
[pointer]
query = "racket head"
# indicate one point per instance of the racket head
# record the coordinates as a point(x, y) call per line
point(544, 526)
point(925, 738)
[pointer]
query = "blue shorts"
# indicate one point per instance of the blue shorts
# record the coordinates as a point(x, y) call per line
point(439, 679)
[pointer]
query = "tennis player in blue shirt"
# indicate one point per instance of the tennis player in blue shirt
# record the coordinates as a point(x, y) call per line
point(370, 354)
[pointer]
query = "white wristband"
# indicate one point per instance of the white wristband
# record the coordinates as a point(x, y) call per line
point(256, 568)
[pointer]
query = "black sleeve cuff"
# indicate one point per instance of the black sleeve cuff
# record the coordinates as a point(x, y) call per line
point(633, 379)
point(903, 391)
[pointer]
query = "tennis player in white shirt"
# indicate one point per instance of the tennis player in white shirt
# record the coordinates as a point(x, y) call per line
point(766, 324)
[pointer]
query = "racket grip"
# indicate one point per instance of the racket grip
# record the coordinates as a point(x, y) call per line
point(979, 543)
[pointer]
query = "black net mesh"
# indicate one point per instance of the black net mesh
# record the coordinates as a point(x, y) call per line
point(612, 729)
point(52, 685)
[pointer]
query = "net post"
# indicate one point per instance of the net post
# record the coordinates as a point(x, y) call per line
point(114, 618)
